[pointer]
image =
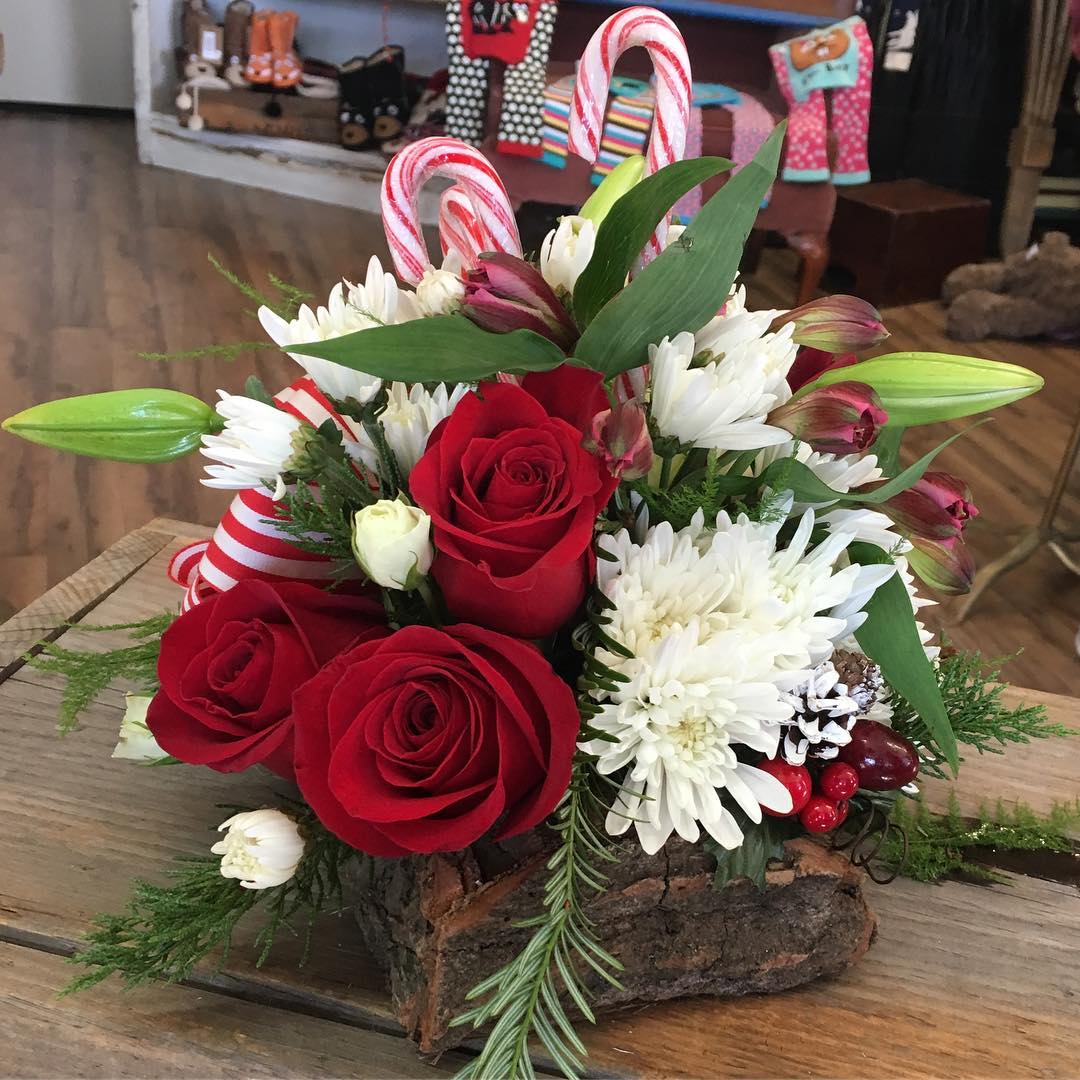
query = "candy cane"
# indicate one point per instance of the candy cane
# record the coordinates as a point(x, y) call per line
point(659, 36)
point(410, 169)
point(460, 232)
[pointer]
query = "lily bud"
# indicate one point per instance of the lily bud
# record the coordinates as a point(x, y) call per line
point(626, 175)
point(505, 293)
point(620, 436)
point(938, 507)
point(136, 741)
point(810, 363)
point(392, 543)
point(840, 419)
point(835, 324)
point(945, 565)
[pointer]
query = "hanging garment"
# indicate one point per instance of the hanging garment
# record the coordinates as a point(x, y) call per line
point(838, 59)
point(518, 34)
point(626, 130)
point(751, 124)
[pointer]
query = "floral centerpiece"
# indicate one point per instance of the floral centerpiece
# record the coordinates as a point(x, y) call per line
point(575, 547)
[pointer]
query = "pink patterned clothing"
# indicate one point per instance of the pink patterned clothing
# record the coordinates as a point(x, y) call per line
point(838, 59)
point(751, 123)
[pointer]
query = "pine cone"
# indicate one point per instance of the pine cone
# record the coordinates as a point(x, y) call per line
point(860, 675)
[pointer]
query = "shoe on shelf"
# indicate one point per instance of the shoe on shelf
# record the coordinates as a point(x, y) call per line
point(287, 68)
point(237, 30)
point(195, 21)
point(259, 69)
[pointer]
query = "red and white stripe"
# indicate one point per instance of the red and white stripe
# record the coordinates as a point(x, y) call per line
point(624, 30)
point(406, 174)
point(460, 232)
point(247, 543)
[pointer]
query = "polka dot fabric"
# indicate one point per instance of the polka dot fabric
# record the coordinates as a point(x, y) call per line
point(806, 159)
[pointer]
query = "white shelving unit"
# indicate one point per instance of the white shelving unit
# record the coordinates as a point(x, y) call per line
point(331, 29)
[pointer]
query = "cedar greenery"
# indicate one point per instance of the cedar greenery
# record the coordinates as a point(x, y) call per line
point(972, 693)
point(940, 845)
point(87, 673)
point(168, 929)
point(523, 997)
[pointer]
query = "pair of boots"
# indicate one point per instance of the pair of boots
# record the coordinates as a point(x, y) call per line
point(272, 60)
point(375, 98)
point(213, 55)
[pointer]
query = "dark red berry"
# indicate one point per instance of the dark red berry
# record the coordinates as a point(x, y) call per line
point(842, 808)
point(796, 778)
point(820, 815)
point(838, 781)
point(883, 759)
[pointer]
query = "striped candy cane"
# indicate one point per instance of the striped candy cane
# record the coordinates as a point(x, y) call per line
point(659, 36)
point(410, 169)
point(460, 232)
point(246, 543)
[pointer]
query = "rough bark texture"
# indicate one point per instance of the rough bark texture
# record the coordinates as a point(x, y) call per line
point(443, 923)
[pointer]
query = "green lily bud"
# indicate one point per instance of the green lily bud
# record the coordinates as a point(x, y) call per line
point(614, 186)
point(925, 388)
point(121, 425)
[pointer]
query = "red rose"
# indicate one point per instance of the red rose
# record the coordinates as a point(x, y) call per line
point(228, 669)
point(513, 498)
point(426, 740)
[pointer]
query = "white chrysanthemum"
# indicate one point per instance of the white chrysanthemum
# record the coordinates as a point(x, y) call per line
point(439, 292)
point(841, 472)
point(261, 848)
point(409, 418)
point(676, 724)
point(566, 251)
point(254, 448)
point(723, 403)
point(377, 302)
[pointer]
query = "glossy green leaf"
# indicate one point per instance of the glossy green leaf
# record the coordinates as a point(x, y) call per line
point(683, 288)
point(446, 348)
point(891, 639)
point(121, 425)
point(926, 388)
point(627, 227)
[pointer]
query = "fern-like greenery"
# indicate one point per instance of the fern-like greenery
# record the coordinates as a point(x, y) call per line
point(523, 998)
point(939, 844)
point(168, 929)
point(972, 692)
point(87, 673)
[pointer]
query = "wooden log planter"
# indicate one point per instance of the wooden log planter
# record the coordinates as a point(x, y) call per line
point(443, 923)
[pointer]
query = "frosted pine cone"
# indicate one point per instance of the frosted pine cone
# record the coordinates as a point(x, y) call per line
point(827, 706)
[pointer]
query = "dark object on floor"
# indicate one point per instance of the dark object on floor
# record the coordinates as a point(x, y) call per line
point(1030, 294)
point(374, 98)
point(900, 238)
point(442, 923)
point(262, 112)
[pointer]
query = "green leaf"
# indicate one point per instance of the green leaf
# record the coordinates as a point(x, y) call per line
point(446, 348)
point(887, 448)
point(761, 844)
point(120, 425)
point(627, 228)
point(891, 639)
point(683, 288)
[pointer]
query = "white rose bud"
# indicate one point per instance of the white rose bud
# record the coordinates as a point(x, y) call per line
point(137, 742)
point(440, 292)
point(262, 848)
point(566, 251)
point(392, 543)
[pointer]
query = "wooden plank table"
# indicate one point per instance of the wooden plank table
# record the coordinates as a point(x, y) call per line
point(965, 980)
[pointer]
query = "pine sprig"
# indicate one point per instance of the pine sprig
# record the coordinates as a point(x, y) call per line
point(939, 844)
point(523, 998)
point(972, 692)
point(168, 929)
point(225, 352)
point(87, 674)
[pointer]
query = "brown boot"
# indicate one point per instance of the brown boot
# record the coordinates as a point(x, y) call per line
point(237, 31)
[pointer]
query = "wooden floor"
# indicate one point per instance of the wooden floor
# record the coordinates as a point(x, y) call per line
point(101, 258)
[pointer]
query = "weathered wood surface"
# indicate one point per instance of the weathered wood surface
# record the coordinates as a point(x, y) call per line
point(964, 980)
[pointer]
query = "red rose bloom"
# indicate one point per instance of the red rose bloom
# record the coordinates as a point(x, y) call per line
point(228, 669)
point(513, 498)
point(425, 740)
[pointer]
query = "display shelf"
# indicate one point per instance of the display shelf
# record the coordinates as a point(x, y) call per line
point(792, 13)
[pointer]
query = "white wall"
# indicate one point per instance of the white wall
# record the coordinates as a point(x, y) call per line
point(67, 52)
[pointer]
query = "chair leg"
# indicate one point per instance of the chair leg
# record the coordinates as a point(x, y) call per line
point(751, 255)
point(813, 249)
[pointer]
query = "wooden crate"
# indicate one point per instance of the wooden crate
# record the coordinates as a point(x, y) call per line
point(257, 112)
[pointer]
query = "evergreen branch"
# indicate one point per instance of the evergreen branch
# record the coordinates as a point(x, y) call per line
point(168, 929)
point(227, 352)
point(87, 673)
point(523, 998)
point(939, 844)
point(292, 297)
point(971, 690)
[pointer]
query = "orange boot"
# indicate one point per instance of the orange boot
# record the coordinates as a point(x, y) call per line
point(287, 68)
point(260, 65)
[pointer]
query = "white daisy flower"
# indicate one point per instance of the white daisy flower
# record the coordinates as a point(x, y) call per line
point(255, 447)
point(261, 848)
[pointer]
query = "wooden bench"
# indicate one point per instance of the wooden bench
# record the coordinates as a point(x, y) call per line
point(964, 980)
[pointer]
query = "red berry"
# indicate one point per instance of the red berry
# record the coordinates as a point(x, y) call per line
point(820, 815)
point(883, 758)
point(838, 781)
point(796, 778)
point(842, 808)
